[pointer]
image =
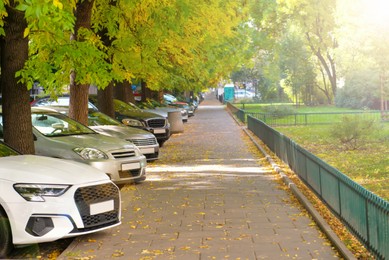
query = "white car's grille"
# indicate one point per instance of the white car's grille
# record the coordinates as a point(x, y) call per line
point(86, 196)
point(143, 142)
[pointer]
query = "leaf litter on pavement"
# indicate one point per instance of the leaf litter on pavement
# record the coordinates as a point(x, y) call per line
point(170, 167)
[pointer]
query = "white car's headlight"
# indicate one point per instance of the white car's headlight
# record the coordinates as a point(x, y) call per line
point(90, 153)
point(132, 122)
point(36, 192)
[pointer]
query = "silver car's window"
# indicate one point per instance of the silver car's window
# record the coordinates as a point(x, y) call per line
point(56, 124)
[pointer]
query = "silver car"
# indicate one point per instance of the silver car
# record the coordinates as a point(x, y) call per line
point(57, 135)
point(103, 124)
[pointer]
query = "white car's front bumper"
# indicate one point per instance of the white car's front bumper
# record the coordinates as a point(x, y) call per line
point(80, 210)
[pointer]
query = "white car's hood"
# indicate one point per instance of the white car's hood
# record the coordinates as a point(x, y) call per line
point(39, 169)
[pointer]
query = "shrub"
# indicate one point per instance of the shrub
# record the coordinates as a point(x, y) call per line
point(245, 100)
point(352, 131)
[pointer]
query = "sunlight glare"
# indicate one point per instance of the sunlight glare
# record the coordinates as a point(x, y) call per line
point(376, 12)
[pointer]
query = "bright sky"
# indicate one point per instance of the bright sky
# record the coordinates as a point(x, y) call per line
point(375, 12)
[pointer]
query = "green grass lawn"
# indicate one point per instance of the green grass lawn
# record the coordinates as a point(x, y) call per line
point(368, 165)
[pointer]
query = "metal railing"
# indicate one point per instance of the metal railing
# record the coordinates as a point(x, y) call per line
point(284, 119)
point(363, 212)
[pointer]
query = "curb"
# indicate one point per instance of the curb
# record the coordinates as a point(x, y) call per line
point(319, 220)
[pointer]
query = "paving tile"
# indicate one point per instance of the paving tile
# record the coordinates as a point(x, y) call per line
point(207, 197)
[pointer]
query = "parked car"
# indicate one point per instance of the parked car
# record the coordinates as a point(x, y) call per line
point(44, 199)
point(125, 113)
point(103, 124)
point(172, 101)
point(131, 115)
point(144, 140)
point(169, 98)
point(162, 109)
point(57, 135)
point(190, 109)
point(59, 101)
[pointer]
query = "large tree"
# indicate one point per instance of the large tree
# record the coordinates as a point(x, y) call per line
point(19, 21)
point(297, 68)
point(15, 96)
point(172, 44)
point(166, 44)
point(316, 21)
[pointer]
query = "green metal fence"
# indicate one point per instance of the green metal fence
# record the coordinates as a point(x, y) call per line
point(364, 213)
point(240, 114)
point(311, 118)
point(302, 118)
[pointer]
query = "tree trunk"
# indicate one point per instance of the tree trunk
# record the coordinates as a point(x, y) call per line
point(146, 92)
point(383, 106)
point(330, 68)
point(123, 91)
point(78, 107)
point(330, 71)
point(325, 89)
point(15, 96)
point(105, 100)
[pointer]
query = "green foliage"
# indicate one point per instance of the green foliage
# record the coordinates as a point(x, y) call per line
point(3, 13)
point(295, 42)
point(353, 131)
point(360, 90)
point(169, 44)
point(297, 68)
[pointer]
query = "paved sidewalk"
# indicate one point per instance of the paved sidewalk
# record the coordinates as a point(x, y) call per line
point(210, 196)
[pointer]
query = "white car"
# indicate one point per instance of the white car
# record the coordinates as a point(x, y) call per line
point(44, 199)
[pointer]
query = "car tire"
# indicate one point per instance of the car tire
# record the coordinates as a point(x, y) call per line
point(6, 244)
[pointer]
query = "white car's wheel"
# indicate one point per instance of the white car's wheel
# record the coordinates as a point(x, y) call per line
point(5, 235)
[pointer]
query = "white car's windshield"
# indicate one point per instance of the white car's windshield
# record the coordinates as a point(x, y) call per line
point(56, 124)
